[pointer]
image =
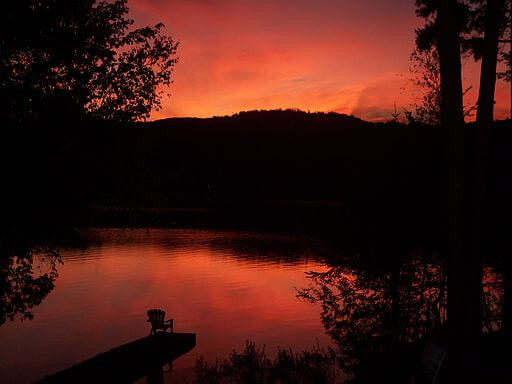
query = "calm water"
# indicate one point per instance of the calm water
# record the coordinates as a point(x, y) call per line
point(227, 287)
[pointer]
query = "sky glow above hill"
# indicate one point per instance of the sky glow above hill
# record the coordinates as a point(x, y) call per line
point(326, 55)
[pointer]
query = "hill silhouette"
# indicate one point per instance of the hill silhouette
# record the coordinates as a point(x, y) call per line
point(285, 169)
point(259, 155)
point(266, 168)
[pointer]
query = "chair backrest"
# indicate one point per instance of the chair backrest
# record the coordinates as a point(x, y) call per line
point(156, 316)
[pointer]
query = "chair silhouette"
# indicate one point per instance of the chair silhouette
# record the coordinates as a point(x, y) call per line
point(156, 318)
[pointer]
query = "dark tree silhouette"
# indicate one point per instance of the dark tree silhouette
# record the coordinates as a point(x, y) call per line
point(506, 56)
point(487, 25)
point(27, 275)
point(382, 314)
point(64, 64)
point(376, 314)
point(481, 24)
point(254, 366)
point(426, 78)
point(83, 51)
point(489, 22)
point(506, 49)
point(446, 20)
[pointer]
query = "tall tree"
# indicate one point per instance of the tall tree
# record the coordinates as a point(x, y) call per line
point(506, 51)
point(492, 12)
point(507, 301)
point(492, 15)
point(446, 21)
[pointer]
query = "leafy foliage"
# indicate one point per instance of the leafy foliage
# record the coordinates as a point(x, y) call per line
point(253, 366)
point(85, 52)
point(27, 276)
point(426, 77)
point(425, 71)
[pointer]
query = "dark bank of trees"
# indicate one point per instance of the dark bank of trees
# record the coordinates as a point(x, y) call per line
point(266, 167)
point(66, 65)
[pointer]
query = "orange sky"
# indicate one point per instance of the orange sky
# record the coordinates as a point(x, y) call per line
point(347, 56)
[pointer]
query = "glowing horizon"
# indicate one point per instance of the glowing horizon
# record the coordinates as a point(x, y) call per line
point(338, 56)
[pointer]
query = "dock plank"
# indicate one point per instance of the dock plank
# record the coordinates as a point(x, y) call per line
point(128, 362)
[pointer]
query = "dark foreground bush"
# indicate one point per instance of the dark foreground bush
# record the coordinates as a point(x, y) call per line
point(254, 366)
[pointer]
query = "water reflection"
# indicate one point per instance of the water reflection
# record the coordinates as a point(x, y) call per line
point(382, 319)
point(254, 247)
point(377, 311)
point(227, 287)
point(27, 276)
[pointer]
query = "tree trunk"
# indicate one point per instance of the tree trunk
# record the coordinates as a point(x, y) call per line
point(494, 17)
point(507, 299)
point(463, 319)
point(495, 11)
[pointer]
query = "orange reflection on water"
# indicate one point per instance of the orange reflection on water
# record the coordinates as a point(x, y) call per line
point(227, 287)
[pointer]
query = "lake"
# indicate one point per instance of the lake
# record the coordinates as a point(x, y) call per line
point(225, 286)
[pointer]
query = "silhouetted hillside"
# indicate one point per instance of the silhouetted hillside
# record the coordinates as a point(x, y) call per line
point(263, 168)
point(259, 156)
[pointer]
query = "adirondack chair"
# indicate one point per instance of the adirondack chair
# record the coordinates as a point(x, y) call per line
point(156, 318)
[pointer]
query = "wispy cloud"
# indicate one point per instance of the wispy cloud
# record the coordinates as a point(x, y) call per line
point(338, 55)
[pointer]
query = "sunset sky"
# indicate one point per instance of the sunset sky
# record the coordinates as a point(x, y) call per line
point(345, 56)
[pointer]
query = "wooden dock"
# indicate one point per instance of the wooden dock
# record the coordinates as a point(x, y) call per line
point(129, 362)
